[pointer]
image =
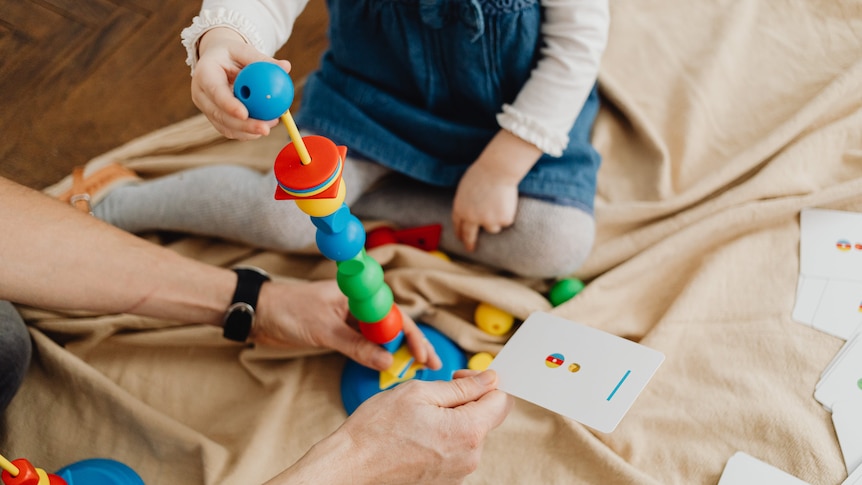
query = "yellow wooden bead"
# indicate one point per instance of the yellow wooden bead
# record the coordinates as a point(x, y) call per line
point(480, 361)
point(323, 207)
point(493, 320)
point(440, 254)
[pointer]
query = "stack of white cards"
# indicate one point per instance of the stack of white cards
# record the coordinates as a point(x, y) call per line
point(839, 390)
point(829, 289)
point(829, 299)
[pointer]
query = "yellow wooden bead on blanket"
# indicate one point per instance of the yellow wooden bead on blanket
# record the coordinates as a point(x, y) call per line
point(493, 320)
point(480, 361)
point(440, 254)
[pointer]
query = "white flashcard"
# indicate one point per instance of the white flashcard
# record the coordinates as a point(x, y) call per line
point(842, 378)
point(850, 342)
point(831, 244)
point(744, 469)
point(839, 311)
point(809, 291)
point(847, 418)
point(575, 370)
point(855, 478)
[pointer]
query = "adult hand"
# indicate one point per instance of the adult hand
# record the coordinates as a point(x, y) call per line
point(222, 54)
point(417, 432)
point(314, 314)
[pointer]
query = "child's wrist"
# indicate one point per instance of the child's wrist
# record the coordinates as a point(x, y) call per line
point(217, 35)
point(509, 157)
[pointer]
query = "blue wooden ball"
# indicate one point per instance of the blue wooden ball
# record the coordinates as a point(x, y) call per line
point(343, 245)
point(265, 89)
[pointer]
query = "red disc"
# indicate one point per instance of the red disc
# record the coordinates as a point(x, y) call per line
point(300, 179)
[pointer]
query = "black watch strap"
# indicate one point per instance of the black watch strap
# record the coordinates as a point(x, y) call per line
point(240, 315)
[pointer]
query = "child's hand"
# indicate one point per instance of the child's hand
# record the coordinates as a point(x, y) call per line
point(487, 195)
point(485, 199)
point(223, 53)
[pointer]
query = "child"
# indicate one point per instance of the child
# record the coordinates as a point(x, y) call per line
point(481, 110)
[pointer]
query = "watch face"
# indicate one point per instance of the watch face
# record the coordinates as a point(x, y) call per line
point(237, 324)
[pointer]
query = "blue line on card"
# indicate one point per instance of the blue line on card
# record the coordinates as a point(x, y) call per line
point(625, 376)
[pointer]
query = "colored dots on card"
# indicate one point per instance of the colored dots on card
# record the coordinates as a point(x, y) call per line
point(859, 383)
point(554, 360)
point(574, 367)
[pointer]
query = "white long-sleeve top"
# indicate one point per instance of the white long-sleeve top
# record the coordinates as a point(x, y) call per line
point(574, 33)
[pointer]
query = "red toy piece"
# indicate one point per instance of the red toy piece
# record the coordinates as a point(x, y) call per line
point(318, 180)
point(29, 475)
point(384, 330)
point(425, 238)
point(380, 237)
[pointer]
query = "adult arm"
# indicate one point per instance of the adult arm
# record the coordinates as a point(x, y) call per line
point(54, 256)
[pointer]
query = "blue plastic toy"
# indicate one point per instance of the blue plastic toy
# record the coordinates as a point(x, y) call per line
point(99, 471)
point(359, 383)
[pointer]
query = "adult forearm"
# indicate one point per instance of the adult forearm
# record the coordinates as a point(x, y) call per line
point(57, 257)
point(335, 459)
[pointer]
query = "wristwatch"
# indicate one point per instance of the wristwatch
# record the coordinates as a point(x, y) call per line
point(239, 317)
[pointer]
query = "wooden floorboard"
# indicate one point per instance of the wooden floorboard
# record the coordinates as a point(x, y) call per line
point(80, 77)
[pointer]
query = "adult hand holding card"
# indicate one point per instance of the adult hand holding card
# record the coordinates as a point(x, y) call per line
point(575, 370)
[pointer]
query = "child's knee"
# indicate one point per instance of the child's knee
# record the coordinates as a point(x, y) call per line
point(554, 258)
point(556, 248)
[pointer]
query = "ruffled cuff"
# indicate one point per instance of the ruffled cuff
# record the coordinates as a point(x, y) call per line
point(209, 19)
point(532, 131)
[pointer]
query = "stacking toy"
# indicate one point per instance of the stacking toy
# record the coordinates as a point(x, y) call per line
point(308, 171)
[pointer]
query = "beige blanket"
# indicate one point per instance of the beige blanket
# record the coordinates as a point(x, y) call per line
point(721, 120)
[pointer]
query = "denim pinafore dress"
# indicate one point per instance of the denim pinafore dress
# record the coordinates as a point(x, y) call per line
point(416, 85)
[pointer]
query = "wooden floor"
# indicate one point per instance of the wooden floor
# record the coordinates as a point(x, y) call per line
point(80, 77)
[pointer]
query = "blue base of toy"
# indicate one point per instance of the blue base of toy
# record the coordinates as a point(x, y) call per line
point(99, 470)
point(358, 382)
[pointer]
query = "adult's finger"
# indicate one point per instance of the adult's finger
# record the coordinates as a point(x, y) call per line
point(419, 346)
point(457, 392)
point(489, 411)
point(354, 345)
